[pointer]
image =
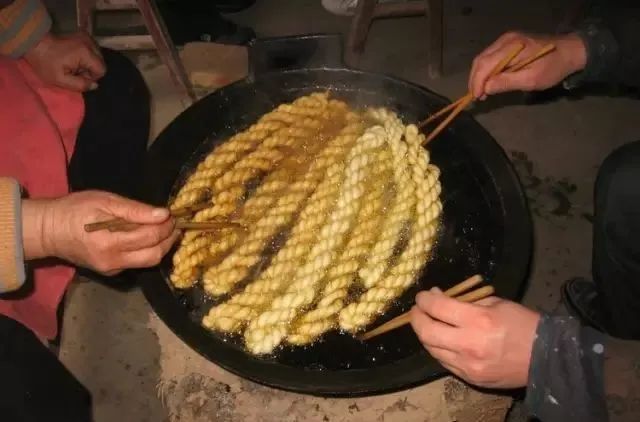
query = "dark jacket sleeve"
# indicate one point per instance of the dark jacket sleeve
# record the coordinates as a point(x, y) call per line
point(610, 33)
point(578, 373)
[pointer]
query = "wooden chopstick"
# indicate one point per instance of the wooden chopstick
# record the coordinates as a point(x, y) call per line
point(541, 53)
point(511, 68)
point(456, 290)
point(192, 209)
point(467, 99)
point(462, 102)
point(120, 225)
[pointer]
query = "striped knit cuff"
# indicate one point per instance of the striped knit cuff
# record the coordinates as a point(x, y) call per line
point(12, 274)
point(22, 25)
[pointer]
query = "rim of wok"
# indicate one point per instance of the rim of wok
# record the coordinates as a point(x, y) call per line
point(416, 369)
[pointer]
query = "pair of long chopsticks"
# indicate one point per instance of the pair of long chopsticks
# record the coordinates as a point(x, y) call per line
point(455, 292)
point(120, 224)
point(460, 104)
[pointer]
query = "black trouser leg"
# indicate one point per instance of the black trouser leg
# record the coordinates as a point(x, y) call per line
point(34, 385)
point(112, 140)
point(616, 243)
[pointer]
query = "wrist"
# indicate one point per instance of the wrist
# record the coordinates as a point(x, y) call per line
point(36, 235)
point(40, 47)
point(574, 52)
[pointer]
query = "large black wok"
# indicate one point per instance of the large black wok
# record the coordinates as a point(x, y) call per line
point(487, 229)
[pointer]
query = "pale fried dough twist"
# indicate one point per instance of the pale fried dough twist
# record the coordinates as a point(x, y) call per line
point(266, 331)
point(344, 271)
point(427, 210)
point(233, 314)
point(401, 207)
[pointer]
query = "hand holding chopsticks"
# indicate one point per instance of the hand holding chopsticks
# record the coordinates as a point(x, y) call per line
point(488, 345)
point(54, 228)
point(456, 291)
point(459, 105)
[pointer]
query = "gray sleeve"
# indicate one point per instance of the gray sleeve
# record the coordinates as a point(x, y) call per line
point(566, 372)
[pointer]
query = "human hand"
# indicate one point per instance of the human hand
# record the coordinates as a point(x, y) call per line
point(56, 228)
point(568, 57)
point(487, 343)
point(72, 62)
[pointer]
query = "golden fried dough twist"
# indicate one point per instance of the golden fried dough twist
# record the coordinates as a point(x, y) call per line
point(242, 307)
point(230, 186)
point(184, 268)
point(220, 279)
point(218, 161)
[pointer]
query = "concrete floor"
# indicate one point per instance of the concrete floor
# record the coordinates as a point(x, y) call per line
point(138, 371)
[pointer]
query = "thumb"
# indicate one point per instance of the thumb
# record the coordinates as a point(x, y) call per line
point(505, 82)
point(137, 212)
point(76, 83)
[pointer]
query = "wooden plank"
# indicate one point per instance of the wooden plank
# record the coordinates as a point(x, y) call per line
point(115, 5)
point(401, 9)
point(127, 42)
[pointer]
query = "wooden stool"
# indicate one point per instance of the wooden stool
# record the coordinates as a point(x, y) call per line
point(368, 10)
point(158, 37)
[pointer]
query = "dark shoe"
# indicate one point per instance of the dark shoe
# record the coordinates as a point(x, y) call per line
point(583, 301)
point(200, 21)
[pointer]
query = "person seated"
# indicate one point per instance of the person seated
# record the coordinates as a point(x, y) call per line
point(35, 385)
point(88, 128)
point(581, 367)
point(73, 139)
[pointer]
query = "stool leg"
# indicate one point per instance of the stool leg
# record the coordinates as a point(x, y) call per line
point(84, 15)
point(359, 30)
point(166, 49)
point(435, 18)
